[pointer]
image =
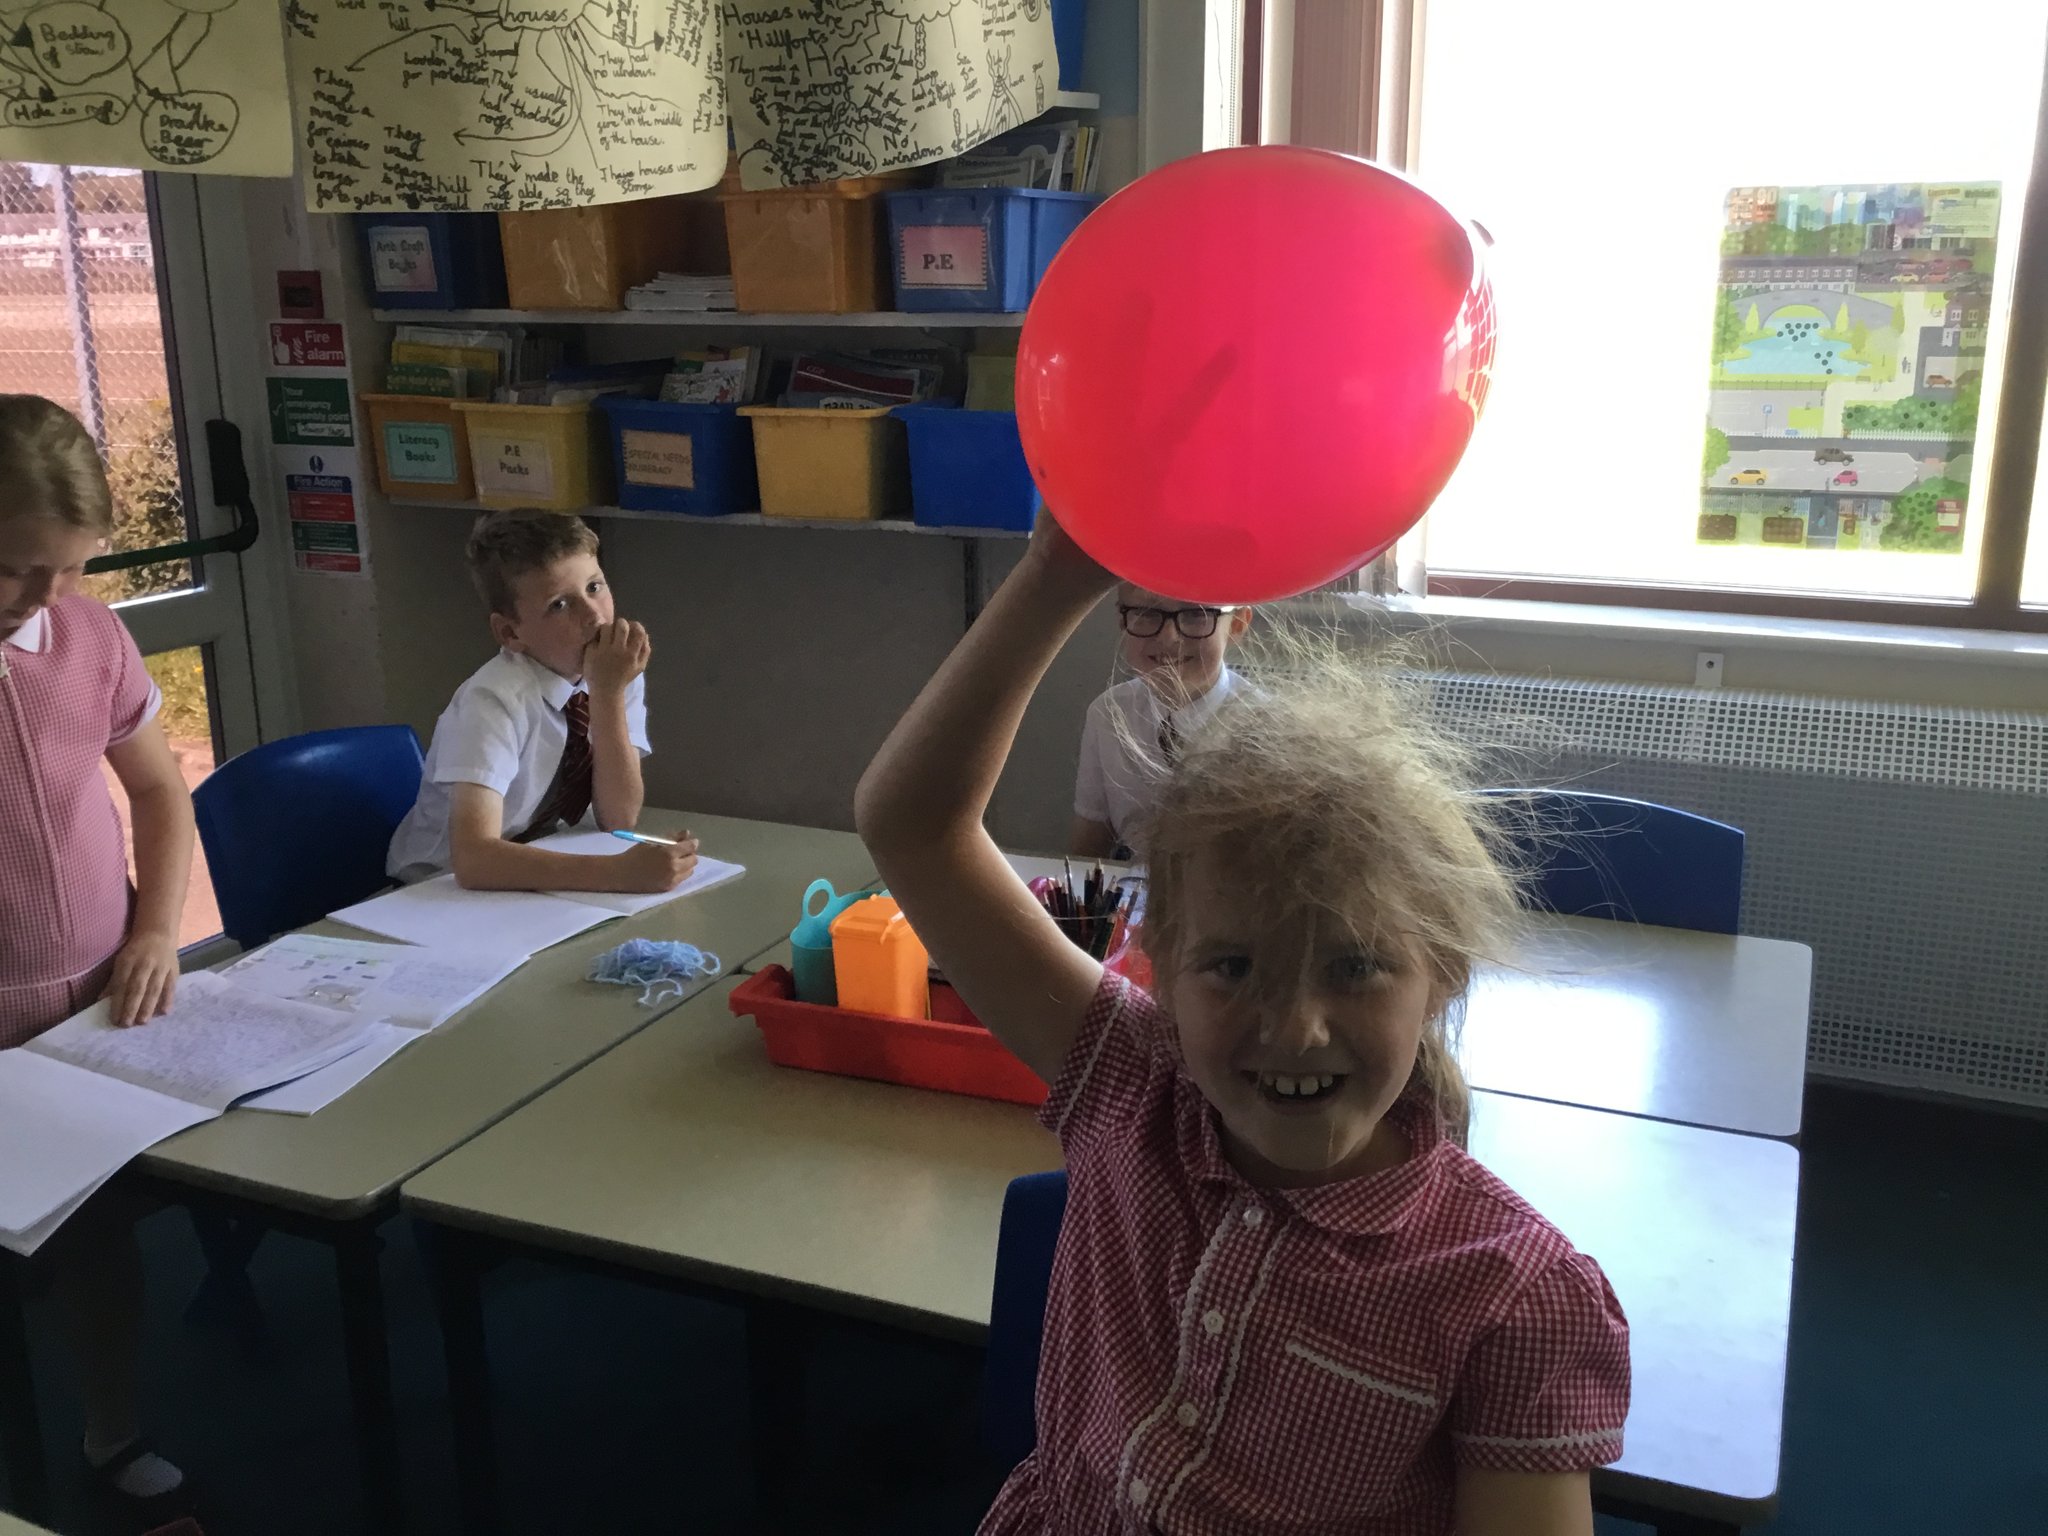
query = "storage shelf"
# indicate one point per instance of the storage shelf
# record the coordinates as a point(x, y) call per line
point(750, 520)
point(1075, 101)
point(726, 320)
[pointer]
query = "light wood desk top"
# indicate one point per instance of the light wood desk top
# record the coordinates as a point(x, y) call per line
point(525, 1035)
point(685, 1153)
point(1699, 1028)
point(9, 1526)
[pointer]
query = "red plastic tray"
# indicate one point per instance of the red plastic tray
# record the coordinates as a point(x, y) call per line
point(919, 1053)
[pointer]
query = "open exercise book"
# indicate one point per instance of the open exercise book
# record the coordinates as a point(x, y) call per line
point(80, 1100)
point(290, 1027)
point(440, 912)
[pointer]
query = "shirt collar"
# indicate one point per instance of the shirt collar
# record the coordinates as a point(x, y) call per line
point(1376, 1205)
point(1190, 715)
point(34, 636)
point(546, 681)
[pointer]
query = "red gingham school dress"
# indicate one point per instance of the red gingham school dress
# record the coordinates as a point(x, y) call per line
point(64, 894)
point(1225, 1358)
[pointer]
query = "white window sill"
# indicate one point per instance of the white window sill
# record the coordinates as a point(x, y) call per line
point(1579, 621)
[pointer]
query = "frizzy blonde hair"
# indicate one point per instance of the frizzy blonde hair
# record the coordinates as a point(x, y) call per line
point(1323, 785)
point(50, 467)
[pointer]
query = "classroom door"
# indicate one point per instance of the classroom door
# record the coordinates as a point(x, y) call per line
point(105, 307)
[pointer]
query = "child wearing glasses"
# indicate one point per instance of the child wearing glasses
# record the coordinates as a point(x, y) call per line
point(1135, 729)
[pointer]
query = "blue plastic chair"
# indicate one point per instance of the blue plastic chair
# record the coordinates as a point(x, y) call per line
point(296, 828)
point(1605, 856)
point(1033, 1207)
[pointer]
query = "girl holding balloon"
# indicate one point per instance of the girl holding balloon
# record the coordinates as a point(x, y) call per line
point(1284, 1297)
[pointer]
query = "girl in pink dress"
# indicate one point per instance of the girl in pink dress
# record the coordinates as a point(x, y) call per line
point(73, 691)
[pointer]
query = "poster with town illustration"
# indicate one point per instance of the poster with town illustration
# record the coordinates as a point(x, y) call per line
point(1848, 354)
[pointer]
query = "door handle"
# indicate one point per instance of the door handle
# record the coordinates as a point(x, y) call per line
point(230, 489)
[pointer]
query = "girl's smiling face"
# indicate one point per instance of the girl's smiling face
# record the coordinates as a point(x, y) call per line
point(42, 560)
point(1300, 1033)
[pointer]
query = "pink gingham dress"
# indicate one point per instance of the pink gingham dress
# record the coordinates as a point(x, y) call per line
point(1221, 1357)
point(74, 686)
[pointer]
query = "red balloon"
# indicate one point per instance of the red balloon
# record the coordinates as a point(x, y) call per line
point(1251, 371)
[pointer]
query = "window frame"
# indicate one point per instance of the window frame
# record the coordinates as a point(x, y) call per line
point(1346, 75)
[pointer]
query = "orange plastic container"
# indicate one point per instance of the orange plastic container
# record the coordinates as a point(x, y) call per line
point(422, 448)
point(820, 249)
point(586, 258)
point(919, 1053)
point(878, 964)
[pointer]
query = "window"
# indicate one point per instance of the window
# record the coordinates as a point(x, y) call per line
point(1756, 265)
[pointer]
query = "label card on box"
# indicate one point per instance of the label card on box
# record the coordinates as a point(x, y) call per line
point(401, 259)
point(945, 256)
point(659, 458)
point(420, 452)
point(513, 466)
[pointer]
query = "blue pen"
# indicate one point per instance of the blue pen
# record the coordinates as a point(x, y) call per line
point(642, 837)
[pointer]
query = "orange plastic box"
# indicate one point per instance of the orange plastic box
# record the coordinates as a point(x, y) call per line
point(586, 258)
point(919, 1053)
point(850, 464)
point(422, 448)
point(878, 964)
point(820, 249)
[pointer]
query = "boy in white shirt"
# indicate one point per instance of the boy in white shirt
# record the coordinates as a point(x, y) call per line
point(548, 733)
point(1177, 649)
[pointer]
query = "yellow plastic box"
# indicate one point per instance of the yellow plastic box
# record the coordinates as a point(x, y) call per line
point(820, 249)
point(586, 258)
point(422, 448)
point(555, 457)
point(850, 465)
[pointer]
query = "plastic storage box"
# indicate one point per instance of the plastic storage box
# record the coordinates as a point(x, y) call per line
point(586, 258)
point(920, 1053)
point(819, 249)
point(967, 469)
point(432, 260)
point(977, 248)
point(422, 448)
point(1069, 39)
point(839, 465)
point(555, 457)
point(674, 457)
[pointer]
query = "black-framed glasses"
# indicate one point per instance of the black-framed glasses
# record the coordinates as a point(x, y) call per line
point(1193, 623)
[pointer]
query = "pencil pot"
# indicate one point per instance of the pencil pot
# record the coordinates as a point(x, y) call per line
point(810, 941)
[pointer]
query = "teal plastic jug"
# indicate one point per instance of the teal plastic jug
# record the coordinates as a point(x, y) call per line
point(810, 941)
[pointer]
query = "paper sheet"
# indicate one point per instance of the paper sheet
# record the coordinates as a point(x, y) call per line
point(860, 86)
point(708, 873)
point(216, 1044)
point(316, 1090)
point(398, 983)
point(505, 104)
point(439, 913)
point(64, 1132)
point(186, 85)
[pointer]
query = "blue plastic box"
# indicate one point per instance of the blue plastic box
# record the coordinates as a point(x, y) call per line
point(1069, 36)
point(967, 469)
point(977, 248)
point(432, 260)
point(668, 457)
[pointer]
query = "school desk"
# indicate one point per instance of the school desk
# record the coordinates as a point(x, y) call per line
point(9, 1526)
point(685, 1158)
point(1705, 1029)
point(335, 1175)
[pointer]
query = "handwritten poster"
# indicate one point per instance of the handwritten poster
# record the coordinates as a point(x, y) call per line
point(849, 89)
point(505, 104)
point(183, 85)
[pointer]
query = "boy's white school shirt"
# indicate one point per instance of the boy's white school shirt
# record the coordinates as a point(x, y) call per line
point(1114, 785)
point(504, 729)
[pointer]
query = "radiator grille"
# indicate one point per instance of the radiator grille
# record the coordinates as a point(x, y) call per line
point(1907, 844)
